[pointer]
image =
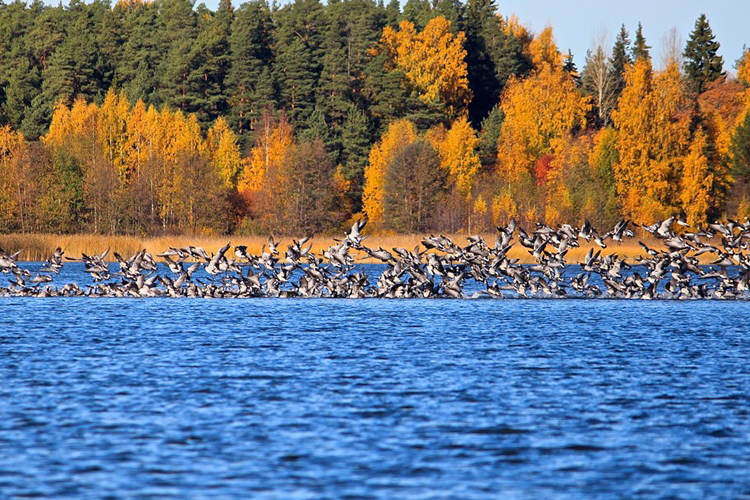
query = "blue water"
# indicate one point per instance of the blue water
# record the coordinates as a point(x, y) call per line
point(386, 399)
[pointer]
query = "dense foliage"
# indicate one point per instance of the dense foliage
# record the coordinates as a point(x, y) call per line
point(153, 117)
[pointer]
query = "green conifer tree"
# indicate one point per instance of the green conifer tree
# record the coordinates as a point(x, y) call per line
point(356, 143)
point(702, 64)
point(619, 61)
point(640, 49)
point(249, 84)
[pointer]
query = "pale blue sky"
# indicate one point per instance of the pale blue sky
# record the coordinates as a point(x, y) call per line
point(577, 23)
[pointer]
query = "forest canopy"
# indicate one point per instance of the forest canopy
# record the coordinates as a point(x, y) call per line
point(165, 117)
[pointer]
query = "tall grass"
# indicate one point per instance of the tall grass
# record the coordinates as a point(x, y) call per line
point(39, 247)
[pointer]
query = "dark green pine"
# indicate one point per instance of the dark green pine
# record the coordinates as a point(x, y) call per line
point(488, 137)
point(640, 49)
point(300, 35)
point(702, 64)
point(356, 143)
point(620, 60)
point(249, 83)
point(136, 70)
point(740, 149)
point(492, 57)
point(176, 35)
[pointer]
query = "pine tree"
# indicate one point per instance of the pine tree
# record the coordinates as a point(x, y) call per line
point(492, 56)
point(176, 38)
point(702, 64)
point(740, 149)
point(640, 49)
point(490, 132)
point(136, 70)
point(300, 37)
point(355, 143)
point(620, 61)
point(249, 83)
point(569, 66)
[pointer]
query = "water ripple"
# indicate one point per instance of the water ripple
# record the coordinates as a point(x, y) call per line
point(378, 400)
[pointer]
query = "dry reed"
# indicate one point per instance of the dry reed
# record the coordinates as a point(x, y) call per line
point(39, 247)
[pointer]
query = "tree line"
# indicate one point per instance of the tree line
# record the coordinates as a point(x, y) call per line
point(158, 117)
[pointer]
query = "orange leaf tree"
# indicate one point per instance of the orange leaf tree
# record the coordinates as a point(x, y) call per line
point(433, 60)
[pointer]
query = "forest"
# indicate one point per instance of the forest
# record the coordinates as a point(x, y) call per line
point(163, 117)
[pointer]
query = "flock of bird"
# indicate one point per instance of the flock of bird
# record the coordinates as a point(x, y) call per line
point(436, 268)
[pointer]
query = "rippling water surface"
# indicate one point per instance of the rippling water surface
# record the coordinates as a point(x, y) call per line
point(288, 399)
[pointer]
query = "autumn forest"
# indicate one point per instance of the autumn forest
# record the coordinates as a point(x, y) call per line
point(164, 117)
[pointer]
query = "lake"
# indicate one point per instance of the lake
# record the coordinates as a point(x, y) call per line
point(382, 399)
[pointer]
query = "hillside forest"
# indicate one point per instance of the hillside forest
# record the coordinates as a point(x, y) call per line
point(165, 117)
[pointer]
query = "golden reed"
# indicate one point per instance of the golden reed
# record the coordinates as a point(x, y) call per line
point(39, 247)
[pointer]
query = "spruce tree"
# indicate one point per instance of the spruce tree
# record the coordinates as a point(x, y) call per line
point(355, 142)
point(740, 150)
point(488, 137)
point(702, 64)
point(569, 67)
point(619, 62)
point(249, 85)
point(640, 49)
point(492, 57)
point(300, 36)
point(136, 71)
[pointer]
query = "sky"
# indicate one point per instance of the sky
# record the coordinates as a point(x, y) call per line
point(578, 23)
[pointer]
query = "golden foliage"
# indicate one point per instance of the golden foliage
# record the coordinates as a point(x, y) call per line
point(503, 209)
point(653, 121)
point(225, 152)
point(743, 68)
point(538, 110)
point(12, 150)
point(543, 50)
point(399, 134)
point(111, 127)
point(697, 181)
point(458, 154)
point(273, 140)
point(512, 26)
point(434, 61)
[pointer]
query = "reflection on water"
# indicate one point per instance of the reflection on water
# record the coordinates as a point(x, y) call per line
point(374, 399)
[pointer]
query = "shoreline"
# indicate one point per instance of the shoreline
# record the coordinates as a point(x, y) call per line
point(37, 247)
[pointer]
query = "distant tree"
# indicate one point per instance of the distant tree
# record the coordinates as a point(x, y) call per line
point(399, 134)
point(620, 61)
point(598, 81)
point(703, 64)
point(743, 68)
point(488, 135)
point(299, 60)
point(492, 56)
point(653, 122)
point(414, 181)
point(251, 58)
point(697, 182)
point(355, 142)
point(458, 155)
point(433, 61)
point(538, 111)
point(569, 66)
point(640, 49)
point(671, 51)
point(740, 149)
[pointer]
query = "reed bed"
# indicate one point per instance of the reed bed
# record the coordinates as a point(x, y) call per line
point(39, 247)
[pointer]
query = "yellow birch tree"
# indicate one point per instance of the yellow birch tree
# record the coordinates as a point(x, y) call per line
point(433, 60)
point(225, 152)
point(399, 134)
